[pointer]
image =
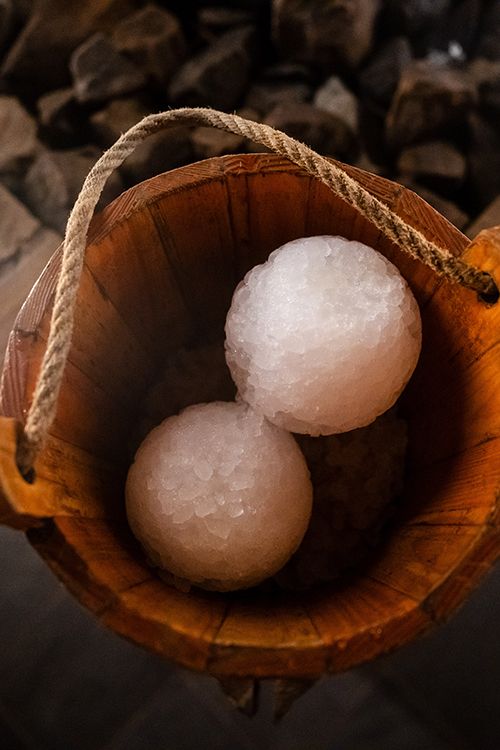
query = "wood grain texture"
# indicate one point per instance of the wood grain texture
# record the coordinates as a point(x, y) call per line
point(70, 481)
point(161, 265)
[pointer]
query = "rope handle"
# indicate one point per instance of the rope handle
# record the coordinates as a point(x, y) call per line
point(44, 403)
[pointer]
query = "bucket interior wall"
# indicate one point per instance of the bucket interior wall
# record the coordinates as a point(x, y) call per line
point(160, 270)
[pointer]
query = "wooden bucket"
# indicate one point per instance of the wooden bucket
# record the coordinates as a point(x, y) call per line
point(161, 265)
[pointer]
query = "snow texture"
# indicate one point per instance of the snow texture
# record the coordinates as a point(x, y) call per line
point(219, 496)
point(323, 337)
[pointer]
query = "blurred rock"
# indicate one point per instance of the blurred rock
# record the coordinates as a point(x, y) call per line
point(414, 16)
point(488, 45)
point(218, 75)
point(24, 8)
point(445, 207)
point(484, 160)
point(209, 142)
point(18, 141)
point(52, 105)
point(100, 72)
point(165, 150)
point(251, 5)
point(324, 34)
point(7, 22)
point(213, 21)
point(372, 132)
point(288, 72)
point(336, 98)
point(38, 60)
point(486, 76)
point(160, 152)
point(111, 122)
point(61, 120)
point(397, 81)
point(222, 18)
point(429, 99)
point(490, 217)
point(456, 31)
point(364, 162)
point(322, 131)
point(265, 95)
point(17, 225)
point(55, 180)
point(436, 163)
point(153, 39)
point(379, 79)
point(281, 83)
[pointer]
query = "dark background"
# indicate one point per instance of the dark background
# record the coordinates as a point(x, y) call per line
point(68, 684)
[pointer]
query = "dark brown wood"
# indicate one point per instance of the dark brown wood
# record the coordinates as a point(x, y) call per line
point(286, 692)
point(242, 693)
point(161, 265)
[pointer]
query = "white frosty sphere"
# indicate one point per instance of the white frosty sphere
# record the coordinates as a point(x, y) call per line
point(219, 496)
point(323, 337)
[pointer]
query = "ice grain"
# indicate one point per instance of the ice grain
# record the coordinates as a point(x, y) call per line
point(219, 496)
point(323, 337)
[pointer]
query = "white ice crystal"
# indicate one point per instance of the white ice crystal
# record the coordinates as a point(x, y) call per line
point(219, 496)
point(323, 337)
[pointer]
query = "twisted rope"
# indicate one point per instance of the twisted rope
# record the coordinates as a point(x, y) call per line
point(43, 407)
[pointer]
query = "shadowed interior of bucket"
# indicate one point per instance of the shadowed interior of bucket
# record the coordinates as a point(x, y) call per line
point(161, 266)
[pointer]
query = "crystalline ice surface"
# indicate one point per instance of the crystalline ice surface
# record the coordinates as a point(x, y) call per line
point(219, 496)
point(324, 336)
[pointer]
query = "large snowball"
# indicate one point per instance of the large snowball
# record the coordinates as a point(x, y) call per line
point(219, 496)
point(323, 337)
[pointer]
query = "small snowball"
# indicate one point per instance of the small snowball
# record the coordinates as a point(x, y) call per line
point(219, 496)
point(323, 337)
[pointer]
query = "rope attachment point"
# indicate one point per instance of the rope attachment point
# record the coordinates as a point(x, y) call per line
point(44, 403)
